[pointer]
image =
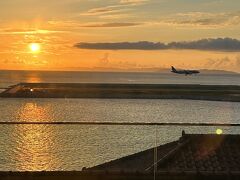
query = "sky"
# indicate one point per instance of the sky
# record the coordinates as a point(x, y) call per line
point(119, 35)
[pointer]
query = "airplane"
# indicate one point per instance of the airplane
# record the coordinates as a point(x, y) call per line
point(186, 72)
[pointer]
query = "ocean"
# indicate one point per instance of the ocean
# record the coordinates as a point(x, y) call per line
point(14, 77)
point(72, 147)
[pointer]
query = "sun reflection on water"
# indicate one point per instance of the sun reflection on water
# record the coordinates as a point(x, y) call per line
point(37, 143)
point(33, 78)
point(32, 112)
point(35, 148)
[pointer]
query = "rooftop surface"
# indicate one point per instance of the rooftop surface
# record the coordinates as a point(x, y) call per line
point(192, 153)
point(215, 153)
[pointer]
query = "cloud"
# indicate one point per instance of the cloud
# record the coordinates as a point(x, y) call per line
point(117, 16)
point(120, 7)
point(64, 27)
point(104, 10)
point(204, 19)
point(27, 31)
point(18, 61)
point(238, 61)
point(143, 45)
point(104, 60)
point(133, 1)
point(219, 44)
point(110, 25)
point(223, 63)
point(186, 20)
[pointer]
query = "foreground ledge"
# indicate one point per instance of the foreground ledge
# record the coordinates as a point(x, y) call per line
point(123, 175)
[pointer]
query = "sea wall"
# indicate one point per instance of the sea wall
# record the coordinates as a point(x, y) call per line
point(126, 91)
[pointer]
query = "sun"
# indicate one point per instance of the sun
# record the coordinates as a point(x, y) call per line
point(34, 47)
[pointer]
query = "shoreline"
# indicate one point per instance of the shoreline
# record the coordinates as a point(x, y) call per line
point(229, 93)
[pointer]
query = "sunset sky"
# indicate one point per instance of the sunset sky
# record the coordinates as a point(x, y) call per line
point(119, 34)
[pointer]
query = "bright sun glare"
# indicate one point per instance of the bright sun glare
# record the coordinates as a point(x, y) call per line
point(219, 131)
point(34, 47)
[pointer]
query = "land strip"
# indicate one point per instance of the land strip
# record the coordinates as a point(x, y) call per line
point(124, 91)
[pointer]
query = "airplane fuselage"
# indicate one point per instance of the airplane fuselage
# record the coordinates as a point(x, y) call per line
point(186, 72)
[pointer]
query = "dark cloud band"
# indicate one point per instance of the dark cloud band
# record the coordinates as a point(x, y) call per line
point(218, 44)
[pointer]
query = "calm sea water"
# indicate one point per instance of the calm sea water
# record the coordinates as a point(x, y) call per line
point(71, 147)
point(14, 77)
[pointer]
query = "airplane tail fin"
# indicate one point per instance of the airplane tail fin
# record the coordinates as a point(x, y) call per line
point(173, 69)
